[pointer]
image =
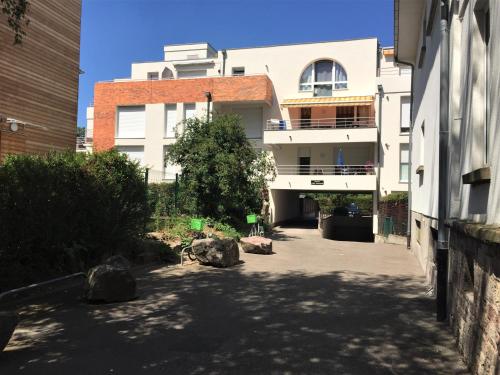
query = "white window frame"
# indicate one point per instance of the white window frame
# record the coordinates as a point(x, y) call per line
point(153, 76)
point(118, 133)
point(313, 83)
point(238, 68)
point(401, 181)
point(166, 133)
point(403, 98)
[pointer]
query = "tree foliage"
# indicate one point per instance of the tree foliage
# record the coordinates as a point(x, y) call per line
point(222, 175)
point(64, 212)
point(16, 11)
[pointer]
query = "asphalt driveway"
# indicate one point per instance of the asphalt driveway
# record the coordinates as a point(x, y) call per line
point(314, 307)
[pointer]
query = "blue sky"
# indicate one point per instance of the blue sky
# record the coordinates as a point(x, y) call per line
point(116, 33)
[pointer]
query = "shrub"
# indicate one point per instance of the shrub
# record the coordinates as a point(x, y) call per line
point(396, 197)
point(63, 212)
point(222, 176)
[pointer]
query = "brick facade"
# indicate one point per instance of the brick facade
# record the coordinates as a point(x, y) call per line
point(474, 300)
point(108, 96)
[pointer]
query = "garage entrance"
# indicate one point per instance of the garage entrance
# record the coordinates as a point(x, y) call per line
point(338, 215)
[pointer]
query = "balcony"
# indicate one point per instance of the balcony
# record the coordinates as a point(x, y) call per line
point(325, 177)
point(321, 130)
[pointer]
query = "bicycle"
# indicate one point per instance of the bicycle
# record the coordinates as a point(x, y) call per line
point(197, 226)
point(257, 229)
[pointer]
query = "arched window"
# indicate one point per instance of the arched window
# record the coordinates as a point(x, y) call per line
point(322, 77)
point(167, 74)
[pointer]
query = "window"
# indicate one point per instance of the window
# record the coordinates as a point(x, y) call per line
point(154, 76)
point(131, 122)
point(404, 160)
point(189, 110)
point(322, 77)
point(134, 153)
point(240, 71)
point(167, 74)
point(169, 170)
point(405, 114)
point(170, 120)
point(404, 70)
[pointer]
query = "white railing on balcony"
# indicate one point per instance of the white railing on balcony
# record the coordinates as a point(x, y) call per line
point(322, 123)
point(327, 170)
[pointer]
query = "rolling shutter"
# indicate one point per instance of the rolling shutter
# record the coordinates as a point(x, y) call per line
point(131, 122)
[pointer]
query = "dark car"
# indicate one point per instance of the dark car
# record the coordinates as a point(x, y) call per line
point(353, 210)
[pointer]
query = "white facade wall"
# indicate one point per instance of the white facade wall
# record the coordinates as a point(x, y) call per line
point(396, 84)
point(284, 66)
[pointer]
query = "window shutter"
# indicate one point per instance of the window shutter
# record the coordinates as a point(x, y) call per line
point(170, 120)
point(405, 112)
point(131, 122)
point(134, 153)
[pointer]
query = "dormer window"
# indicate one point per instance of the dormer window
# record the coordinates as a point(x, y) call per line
point(322, 77)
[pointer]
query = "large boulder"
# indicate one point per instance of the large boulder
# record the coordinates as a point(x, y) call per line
point(257, 245)
point(107, 283)
point(217, 252)
point(118, 261)
point(8, 323)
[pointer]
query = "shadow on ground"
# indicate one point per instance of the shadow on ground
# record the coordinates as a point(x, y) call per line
point(238, 322)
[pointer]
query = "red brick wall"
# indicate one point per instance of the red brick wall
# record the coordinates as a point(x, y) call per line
point(109, 95)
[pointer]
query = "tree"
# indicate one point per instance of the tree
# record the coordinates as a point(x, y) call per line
point(80, 132)
point(222, 175)
point(16, 10)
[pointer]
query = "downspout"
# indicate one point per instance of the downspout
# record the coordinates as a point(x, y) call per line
point(442, 241)
point(224, 57)
point(410, 150)
point(379, 143)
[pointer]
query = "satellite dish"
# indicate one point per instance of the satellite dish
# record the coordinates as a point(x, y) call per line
point(14, 127)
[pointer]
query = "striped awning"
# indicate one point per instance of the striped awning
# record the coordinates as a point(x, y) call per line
point(329, 101)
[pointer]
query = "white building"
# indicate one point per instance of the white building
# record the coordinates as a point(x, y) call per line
point(454, 47)
point(303, 103)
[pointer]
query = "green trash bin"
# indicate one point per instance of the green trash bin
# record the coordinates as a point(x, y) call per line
point(388, 226)
point(252, 219)
point(197, 224)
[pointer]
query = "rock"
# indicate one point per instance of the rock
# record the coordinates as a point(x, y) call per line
point(118, 261)
point(110, 284)
point(257, 245)
point(217, 252)
point(8, 323)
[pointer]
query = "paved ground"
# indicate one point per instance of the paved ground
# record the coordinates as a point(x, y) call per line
point(313, 307)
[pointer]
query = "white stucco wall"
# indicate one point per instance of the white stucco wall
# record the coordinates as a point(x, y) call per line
point(396, 85)
point(468, 116)
point(425, 150)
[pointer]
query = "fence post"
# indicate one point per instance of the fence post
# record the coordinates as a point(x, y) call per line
point(146, 216)
point(176, 188)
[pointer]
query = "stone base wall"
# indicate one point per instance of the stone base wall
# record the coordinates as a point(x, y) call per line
point(474, 299)
point(423, 244)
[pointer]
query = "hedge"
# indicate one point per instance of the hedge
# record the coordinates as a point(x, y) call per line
point(64, 212)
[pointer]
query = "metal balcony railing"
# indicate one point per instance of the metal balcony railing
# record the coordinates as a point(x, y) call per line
point(322, 123)
point(327, 170)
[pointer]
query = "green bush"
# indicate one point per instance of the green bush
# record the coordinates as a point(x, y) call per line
point(222, 175)
point(63, 212)
point(396, 197)
point(328, 201)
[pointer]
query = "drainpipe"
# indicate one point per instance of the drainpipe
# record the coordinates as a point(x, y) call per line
point(379, 149)
point(442, 241)
point(379, 143)
point(208, 95)
point(224, 57)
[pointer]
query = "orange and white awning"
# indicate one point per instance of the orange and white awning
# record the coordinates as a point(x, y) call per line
point(329, 101)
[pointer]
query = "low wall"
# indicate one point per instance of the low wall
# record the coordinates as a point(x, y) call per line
point(423, 244)
point(474, 295)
